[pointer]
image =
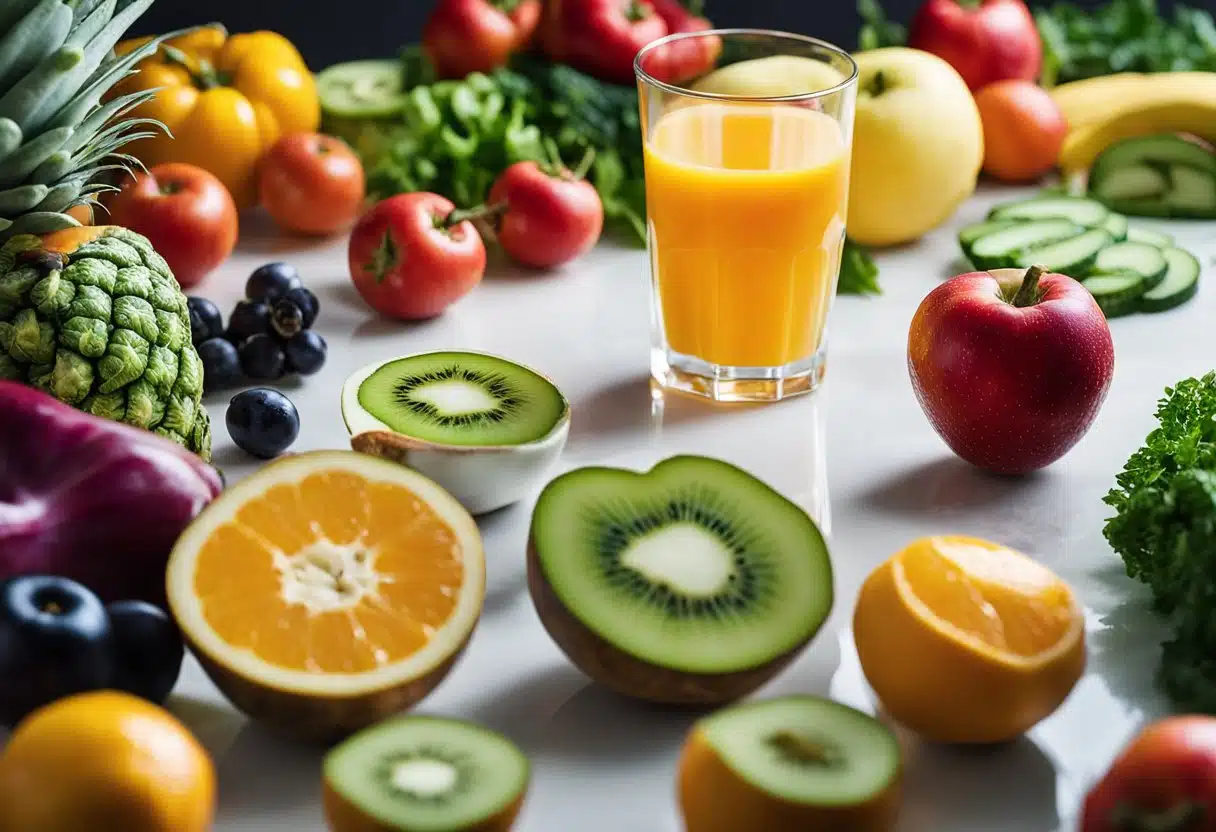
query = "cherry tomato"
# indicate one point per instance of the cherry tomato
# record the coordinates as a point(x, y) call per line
point(1023, 130)
point(464, 36)
point(552, 215)
point(1164, 779)
point(411, 256)
point(185, 212)
point(311, 184)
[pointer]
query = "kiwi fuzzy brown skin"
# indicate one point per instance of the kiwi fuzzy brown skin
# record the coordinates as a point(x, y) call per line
point(715, 799)
point(317, 719)
point(343, 816)
point(630, 676)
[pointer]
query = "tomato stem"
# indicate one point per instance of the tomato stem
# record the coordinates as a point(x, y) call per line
point(487, 213)
point(505, 6)
point(1028, 292)
point(970, 4)
point(636, 11)
point(584, 164)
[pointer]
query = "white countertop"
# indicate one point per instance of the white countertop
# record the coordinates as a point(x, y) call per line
point(859, 455)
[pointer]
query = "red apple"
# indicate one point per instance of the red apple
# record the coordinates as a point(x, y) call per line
point(1010, 366)
point(985, 40)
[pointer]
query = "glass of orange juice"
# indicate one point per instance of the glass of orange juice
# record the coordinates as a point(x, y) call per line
point(747, 182)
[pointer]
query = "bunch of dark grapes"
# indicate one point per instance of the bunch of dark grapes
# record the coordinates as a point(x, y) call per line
point(269, 333)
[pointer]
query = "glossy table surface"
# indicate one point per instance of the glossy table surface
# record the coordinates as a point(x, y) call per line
point(859, 455)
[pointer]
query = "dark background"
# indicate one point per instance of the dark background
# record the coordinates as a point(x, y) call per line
point(328, 31)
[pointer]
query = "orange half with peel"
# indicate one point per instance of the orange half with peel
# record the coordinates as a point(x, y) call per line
point(967, 641)
point(328, 590)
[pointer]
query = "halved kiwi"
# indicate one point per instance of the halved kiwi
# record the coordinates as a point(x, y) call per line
point(798, 762)
point(485, 428)
point(371, 89)
point(693, 583)
point(424, 774)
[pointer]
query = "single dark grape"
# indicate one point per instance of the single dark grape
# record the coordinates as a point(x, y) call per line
point(306, 352)
point(249, 317)
point(286, 318)
point(262, 422)
point(307, 302)
point(221, 364)
point(262, 357)
point(148, 650)
point(271, 282)
point(206, 321)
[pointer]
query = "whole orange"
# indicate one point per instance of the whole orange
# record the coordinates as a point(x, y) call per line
point(1024, 130)
point(105, 762)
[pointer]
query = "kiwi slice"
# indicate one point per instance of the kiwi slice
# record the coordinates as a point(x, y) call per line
point(459, 398)
point(362, 89)
point(798, 762)
point(424, 774)
point(692, 583)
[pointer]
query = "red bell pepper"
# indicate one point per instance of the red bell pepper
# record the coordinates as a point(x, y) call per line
point(687, 58)
point(463, 36)
point(985, 40)
point(599, 37)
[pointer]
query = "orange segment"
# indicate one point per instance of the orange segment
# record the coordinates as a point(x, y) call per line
point(964, 640)
point(325, 565)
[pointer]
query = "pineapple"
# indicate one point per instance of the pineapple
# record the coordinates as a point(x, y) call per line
point(57, 140)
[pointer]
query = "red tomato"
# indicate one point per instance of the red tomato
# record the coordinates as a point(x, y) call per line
point(599, 37)
point(464, 36)
point(552, 216)
point(186, 213)
point(1023, 130)
point(409, 260)
point(311, 184)
point(984, 40)
point(1164, 779)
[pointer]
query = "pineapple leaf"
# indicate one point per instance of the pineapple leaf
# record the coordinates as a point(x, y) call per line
point(18, 165)
point(100, 116)
point(61, 197)
point(36, 35)
point(85, 30)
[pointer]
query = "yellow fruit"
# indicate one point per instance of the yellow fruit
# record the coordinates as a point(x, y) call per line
point(1093, 100)
point(967, 641)
point(328, 591)
point(917, 146)
point(105, 762)
point(773, 76)
point(1181, 111)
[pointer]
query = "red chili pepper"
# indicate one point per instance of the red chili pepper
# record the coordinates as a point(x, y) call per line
point(688, 58)
point(599, 37)
point(463, 36)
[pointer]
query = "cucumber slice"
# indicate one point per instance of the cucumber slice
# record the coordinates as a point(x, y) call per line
point(1080, 210)
point(1153, 238)
point(1073, 257)
point(973, 232)
point(1117, 294)
point(1003, 248)
point(1181, 282)
point(1159, 150)
point(1131, 182)
point(1116, 224)
point(371, 89)
point(1137, 258)
point(1193, 193)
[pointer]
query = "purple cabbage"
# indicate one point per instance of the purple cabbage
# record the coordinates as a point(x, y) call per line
point(92, 499)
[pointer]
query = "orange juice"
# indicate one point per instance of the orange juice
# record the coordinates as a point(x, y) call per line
point(746, 204)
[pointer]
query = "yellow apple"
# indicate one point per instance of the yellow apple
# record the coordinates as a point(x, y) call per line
point(773, 76)
point(917, 146)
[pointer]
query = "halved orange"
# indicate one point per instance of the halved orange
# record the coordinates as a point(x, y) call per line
point(328, 590)
point(967, 641)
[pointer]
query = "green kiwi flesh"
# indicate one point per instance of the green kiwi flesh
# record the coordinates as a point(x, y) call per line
point(463, 398)
point(428, 774)
point(806, 750)
point(694, 567)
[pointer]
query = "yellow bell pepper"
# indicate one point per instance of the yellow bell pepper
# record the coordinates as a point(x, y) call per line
point(225, 100)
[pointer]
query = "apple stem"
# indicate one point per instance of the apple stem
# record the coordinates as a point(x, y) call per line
point(1028, 292)
point(969, 4)
point(877, 85)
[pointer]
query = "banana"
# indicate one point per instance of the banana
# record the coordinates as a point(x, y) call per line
point(1182, 111)
point(1094, 100)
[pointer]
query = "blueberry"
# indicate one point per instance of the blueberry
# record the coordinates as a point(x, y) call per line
point(205, 320)
point(307, 302)
point(306, 352)
point(286, 318)
point(148, 650)
point(262, 422)
point(221, 364)
point(271, 282)
point(55, 641)
point(248, 318)
point(262, 357)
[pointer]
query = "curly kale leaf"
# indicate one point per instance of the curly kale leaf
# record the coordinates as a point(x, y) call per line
point(1164, 528)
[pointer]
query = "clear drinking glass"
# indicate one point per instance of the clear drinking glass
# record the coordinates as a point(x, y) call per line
point(747, 183)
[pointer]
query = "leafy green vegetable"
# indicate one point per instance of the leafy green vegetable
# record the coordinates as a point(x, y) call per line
point(858, 272)
point(1165, 531)
point(876, 30)
point(1123, 36)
